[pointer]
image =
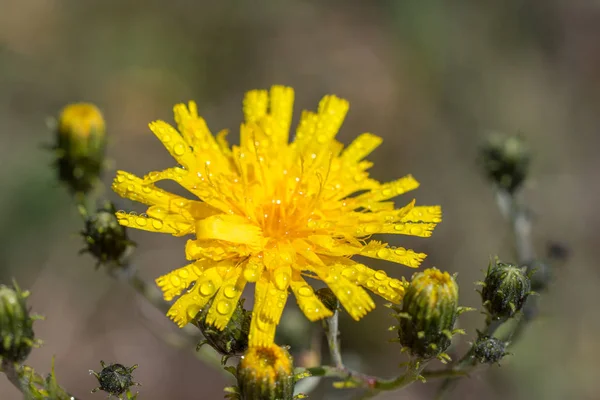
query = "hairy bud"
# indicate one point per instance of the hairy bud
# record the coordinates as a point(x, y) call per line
point(505, 289)
point(488, 349)
point(80, 146)
point(505, 160)
point(231, 341)
point(114, 379)
point(106, 240)
point(429, 311)
point(16, 325)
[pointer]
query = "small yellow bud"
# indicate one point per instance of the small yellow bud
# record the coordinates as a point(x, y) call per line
point(80, 147)
point(266, 373)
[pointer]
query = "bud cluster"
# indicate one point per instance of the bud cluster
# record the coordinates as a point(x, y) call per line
point(505, 289)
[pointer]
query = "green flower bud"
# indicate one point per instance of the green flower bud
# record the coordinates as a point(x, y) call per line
point(16, 325)
point(106, 240)
point(488, 349)
point(115, 379)
point(429, 311)
point(266, 373)
point(505, 160)
point(231, 341)
point(328, 298)
point(80, 146)
point(505, 289)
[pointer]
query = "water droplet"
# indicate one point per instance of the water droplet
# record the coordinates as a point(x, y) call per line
point(387, 192)
point(196, 270)
point(349, 272)
point(383, 253)
point(124, 222)
point(395, 283)
point(251, 274)
point(146, 189)
point(192, 311)
point(184, 274)
point(156, 224)
point(207, 288)
point(229, 291)
point(380, 275)
point(400, 252)
point(281, 279)
point(370, 284)
point(166, 138)
point(305, 291)
point(223, 307)
point(120, 178)
point(381, 290)
point(141, 221)
point(399, 227)
point(179, 149)
point(415, 230)
point(175, 281)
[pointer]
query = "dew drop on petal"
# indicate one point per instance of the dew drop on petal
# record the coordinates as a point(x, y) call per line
point(305, 290)
point(207, 288)
point(179, 149)
point(229, 291)
point(383, 253)
point(223, 307)
point(175, 281)
point(141, 221)
point(380, 275)
point(156, 224)
point(184, 274)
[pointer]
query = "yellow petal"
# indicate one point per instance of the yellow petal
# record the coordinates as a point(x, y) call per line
point(389, 190)
point(147, 223)
point(226, 300)
point(281, 107)
point(424, 214)
point(361, 147)
point(268, 307)
point(255, 105)
point(354, 298)
point(398, 255)
point(378, 282)
point(229, 228)
point(188, 305)
point(175, 282)
point(308, 301)
point(174, 143)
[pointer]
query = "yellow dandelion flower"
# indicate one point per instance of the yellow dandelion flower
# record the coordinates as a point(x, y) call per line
point(273, 212)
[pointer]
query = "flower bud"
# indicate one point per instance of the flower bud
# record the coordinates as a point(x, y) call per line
point(231, 341)
point(505, 289)
point(506, 160)
point(429, 311)
point(266, 373)
point(106, 239)
point(16, 325)
point(488, 349)
point(114, 379)
point(80, 146)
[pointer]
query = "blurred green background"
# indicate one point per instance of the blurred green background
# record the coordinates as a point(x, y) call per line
point(430, 77)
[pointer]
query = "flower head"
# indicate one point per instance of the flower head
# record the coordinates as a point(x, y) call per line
point(273, 212)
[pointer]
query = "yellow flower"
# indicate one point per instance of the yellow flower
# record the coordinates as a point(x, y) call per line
point(273, 212)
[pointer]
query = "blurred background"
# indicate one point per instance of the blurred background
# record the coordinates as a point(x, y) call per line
point(430, 77)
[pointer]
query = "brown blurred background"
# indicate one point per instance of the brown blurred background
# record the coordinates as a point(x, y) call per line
point(430, 77)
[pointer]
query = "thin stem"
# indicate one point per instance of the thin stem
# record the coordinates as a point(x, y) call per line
point(332, 333)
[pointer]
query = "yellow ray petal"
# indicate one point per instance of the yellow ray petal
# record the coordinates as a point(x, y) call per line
point(176, 281)
point(389, 190)
point(151, 224)
point(174, 143)
point(361, 147)
point(268, 307)
point(226, 300)
point(255, 105)
point(308, 301)
point(400, 255)
point(354, 298)
point(378, 282)
point(188, 305)
point(229, 228)
point(424, 214)
point(280, 108)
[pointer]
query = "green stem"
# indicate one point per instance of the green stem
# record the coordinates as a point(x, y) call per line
point(31, 384)
point(332, 333)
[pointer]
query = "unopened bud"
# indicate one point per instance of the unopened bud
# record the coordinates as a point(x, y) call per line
point(16, 325)
point(505, 289)
point(114, 379)
point(231, 341)
point(80, 146)
point(488, 349)
point(266, 373)
point(506, 160)
point(429, 311)
point(105, 238)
